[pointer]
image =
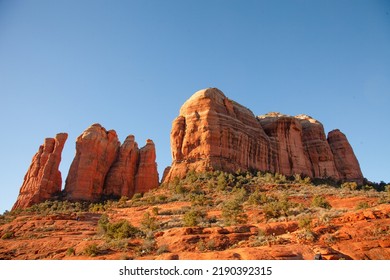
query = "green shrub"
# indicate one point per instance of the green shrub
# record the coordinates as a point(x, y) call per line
point(278, 208)
point(319, 201)
point(119, 230)
point(233, 212)
point(71, 251)
point(257, 198)
point(362, 205)
point(304, 223)
point(149, 222)
point(122, 203)
point(122, 229)
point(193, 217)
point(137, 196)
point(350, 185)
point(92, 250)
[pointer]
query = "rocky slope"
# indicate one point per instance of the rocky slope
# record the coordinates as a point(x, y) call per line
point(213, 132)
point(348, 224)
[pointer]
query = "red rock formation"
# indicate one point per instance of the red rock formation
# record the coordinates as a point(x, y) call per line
point(96, 151)
point(147, 175)
point(135, 170)
point(344, 157)
point(317, 149)
point(120, 180)
point(285, 134)
point(213, 132)
point(43, 178)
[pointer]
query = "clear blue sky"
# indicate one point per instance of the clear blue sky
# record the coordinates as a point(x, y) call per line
point(130, 65)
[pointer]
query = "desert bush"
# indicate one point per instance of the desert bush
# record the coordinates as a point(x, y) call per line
point(194, 217)
point(70, 251)
point(319, 201)
point(362, 205)
point(276, 209)
point(122, 203)
point(137, 196)
point(233, 212)
point(304, 222)
point(122, 229)
point(305, 235)
point(148, 246)
point(257, 198)
point(149, 222)
point(350, 186)
point(92, 250)
point(155, 211)
point(119, 230)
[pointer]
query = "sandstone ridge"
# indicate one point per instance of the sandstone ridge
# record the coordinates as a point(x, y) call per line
point(213, 132)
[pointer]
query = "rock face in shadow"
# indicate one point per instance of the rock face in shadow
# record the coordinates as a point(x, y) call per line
point(213, 132)
point(43, 178)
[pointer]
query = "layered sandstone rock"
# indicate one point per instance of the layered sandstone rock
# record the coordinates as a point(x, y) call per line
point(43, 178)
point(317, 148)
point(213, 132)
point(344, 157)
point(96, 151)
point(147, 175)
point(120, 180)
point(135, 170)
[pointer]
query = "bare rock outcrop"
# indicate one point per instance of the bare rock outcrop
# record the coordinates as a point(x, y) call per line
point(213, 132)
point(344, 157)
point(43, 178)
point(135, 170)
point(120, 180)
point(96, 151)
point(147, 175)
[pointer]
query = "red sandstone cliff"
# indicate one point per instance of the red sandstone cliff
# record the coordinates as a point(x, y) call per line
point(96, 151)
point(213, 132)
point(43, 178)
point(102, 167)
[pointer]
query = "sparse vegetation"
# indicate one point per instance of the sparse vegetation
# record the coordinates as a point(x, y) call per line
point(210, 203)
point(92, 250)
point(194, 217)
point(319, 201)
point(118, 230)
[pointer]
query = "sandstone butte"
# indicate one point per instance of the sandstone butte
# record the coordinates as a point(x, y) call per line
point(101, 168)
point(213, 132)
point(43, 178)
